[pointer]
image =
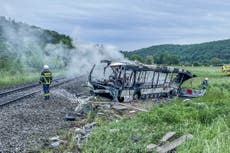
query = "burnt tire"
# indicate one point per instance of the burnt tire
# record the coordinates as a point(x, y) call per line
point(137, 96)
point(91, 92)
point(121, 99)
point(174, 93)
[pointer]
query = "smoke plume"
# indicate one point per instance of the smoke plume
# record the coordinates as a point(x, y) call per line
point(30, 48)
point(88, 54)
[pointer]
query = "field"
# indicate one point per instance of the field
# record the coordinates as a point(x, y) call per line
point(207, 118)
point(9, 78)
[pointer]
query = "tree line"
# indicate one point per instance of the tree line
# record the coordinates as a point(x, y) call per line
point(211, 53)
point(151, 59)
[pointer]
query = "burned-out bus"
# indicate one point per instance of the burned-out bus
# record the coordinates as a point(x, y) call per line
point(135, 81)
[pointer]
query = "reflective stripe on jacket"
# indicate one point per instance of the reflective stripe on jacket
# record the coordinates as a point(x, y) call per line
point(46, 77)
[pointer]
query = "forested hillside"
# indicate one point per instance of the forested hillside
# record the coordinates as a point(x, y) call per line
point(210, 53)
point(24, 47)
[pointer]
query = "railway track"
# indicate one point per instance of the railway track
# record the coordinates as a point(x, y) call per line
point(14, 94)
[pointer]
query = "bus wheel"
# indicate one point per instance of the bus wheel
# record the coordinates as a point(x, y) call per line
point(136, 96)
point(174, 93)
point(121, 99)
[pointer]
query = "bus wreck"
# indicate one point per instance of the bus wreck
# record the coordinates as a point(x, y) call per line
point(137, 81)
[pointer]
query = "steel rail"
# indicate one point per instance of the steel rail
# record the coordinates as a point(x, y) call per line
point(27, 86)
point(26, 91)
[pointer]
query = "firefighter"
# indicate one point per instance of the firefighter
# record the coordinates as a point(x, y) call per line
point(46, 79)
point(205, 83)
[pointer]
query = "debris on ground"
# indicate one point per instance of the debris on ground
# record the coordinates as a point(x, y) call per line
point(90, 125)
point(87, 108)
point(55, 138)
point(70, 117)
point(56, 141)
point(84, 105)
point(119, 107)
point(90, 108)
point(150, 147)
point(163, 146)
point(172, 145)
point(166, 137)
point(192, 93)
point(133, 107)
point(135, 138)
point(65, 94)
point(83, 132)
point(55, 144)
point(185, 100)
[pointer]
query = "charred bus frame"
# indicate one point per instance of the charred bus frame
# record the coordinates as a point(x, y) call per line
point(138, 81)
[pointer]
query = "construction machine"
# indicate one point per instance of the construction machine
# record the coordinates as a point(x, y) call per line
point(226, 69)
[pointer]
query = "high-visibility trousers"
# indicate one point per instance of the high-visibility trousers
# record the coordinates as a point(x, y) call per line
point(46, 91)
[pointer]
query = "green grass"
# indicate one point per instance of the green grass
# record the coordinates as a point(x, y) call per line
point(12, 78)
point(213, 73)
point(205, 121)
point(207, 118)
point(8, 78)
point(67, 145)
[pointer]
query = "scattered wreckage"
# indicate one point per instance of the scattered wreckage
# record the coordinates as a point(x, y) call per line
point(192, 93)
point(137, 81)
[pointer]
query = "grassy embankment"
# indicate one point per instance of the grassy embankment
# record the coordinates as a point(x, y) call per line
point(207, 118)
point(8, 78)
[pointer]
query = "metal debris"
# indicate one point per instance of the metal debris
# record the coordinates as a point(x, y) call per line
point(164, 148)
point(185, 100)
point(135, 138)
point(58, 143)
point(192, 93)
point(133, 107)
point(84, 105)
point(119, 108)
point(84, 132)
point(90, 125)
point(80, 131)
point(56, 138)
point(150, 147)
point(167, 136)
point(55, 144)
point(69, 117)
point(172, 145)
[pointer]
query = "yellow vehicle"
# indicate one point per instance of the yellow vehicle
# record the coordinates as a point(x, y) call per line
point(226, 69)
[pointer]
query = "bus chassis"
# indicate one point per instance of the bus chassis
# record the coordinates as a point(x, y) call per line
point(138, 81)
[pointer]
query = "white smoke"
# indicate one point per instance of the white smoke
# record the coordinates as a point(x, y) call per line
point(88, 54)
point(29, 47)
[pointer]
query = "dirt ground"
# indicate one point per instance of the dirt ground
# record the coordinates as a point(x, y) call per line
point(28, 123)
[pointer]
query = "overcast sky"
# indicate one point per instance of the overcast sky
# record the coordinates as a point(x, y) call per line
point(127, 24)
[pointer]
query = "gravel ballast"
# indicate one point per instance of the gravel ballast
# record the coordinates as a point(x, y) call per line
point(29, 122)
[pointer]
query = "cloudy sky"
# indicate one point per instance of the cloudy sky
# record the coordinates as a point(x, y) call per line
point(127, 24)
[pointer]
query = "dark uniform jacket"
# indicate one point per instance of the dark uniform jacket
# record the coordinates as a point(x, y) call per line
point(46, 77)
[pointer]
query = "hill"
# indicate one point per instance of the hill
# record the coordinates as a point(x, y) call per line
point(214, 53)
